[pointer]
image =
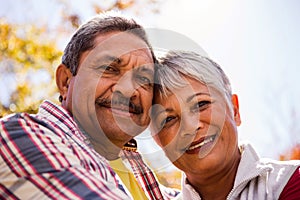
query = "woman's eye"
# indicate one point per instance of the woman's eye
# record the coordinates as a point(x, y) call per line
point(201, 105)
point(166, 120)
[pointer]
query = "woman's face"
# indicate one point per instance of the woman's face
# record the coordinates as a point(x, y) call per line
point(196, 128)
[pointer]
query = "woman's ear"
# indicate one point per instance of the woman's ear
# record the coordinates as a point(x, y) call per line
point(236, 111)
point(63, 77)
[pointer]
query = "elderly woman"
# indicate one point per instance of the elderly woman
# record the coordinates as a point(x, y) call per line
point(195, 119)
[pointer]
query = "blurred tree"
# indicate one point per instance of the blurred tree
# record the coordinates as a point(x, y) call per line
point(292, 154)
point(26, 59)
point(139, 8)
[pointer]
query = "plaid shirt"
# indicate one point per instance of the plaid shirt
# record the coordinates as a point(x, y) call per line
point(45, 156)
point(145, 176)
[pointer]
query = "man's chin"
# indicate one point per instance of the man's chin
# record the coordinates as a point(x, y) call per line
point(119, 126)
point(131, 132)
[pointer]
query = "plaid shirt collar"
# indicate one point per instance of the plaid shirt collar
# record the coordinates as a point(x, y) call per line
point(144, 175)
point(57, 114)
point(63, 119)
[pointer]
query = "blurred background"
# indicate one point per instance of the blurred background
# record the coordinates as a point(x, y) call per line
point(256, 42)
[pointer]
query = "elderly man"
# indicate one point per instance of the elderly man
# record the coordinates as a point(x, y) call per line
point(105, 83)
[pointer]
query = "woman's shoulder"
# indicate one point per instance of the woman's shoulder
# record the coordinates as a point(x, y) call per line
point(292, 188)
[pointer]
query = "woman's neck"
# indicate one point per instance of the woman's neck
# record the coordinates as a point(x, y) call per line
point(217, 185)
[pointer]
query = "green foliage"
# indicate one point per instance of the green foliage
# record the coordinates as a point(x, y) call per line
point(29, 58)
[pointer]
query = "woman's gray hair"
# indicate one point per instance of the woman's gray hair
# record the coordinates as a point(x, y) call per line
point(84, 38)
point(174, 64)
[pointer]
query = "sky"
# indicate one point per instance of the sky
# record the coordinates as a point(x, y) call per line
point(256, 42)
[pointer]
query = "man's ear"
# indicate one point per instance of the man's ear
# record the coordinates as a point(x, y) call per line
point(236, 111)
point(63, 77)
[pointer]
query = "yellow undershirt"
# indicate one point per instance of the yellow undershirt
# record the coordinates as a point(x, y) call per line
point(128, 179)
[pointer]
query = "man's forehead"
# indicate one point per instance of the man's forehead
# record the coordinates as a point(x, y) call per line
point(117, 50)
point(109, 58)
point(117, 40)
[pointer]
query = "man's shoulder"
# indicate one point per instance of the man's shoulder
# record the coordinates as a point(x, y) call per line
point(15, 118)
point(21, 124)
point(48, 113)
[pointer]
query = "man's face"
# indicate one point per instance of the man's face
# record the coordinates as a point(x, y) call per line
point(113, 89)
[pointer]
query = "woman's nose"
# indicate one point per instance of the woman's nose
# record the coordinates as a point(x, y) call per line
point(190, 123)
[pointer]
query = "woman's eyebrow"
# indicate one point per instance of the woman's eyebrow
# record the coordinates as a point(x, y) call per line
point(195, 95)
point(164, 111)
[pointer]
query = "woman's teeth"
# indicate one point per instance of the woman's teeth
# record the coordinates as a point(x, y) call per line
point(207, 140)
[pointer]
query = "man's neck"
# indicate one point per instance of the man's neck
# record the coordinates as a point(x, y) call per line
point(109, 152)
point(106, 148)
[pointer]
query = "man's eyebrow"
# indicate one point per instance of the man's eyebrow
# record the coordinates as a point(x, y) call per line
point(109, 59)
point(197, 94)
point(112, 59)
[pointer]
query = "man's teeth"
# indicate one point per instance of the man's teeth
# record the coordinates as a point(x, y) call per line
point(210, 139)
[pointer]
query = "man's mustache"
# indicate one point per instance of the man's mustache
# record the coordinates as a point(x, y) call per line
point(120, 101)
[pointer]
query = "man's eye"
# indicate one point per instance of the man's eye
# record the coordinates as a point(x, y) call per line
point(107, 68)
point(143, 80)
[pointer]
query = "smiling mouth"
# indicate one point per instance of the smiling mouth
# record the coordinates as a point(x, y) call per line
point(122, 110)
point(120, 106)
point(196, 146)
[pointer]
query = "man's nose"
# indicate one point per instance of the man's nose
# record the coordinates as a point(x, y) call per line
point(126, 85)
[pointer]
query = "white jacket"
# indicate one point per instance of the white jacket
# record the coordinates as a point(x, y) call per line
point(256, 178)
